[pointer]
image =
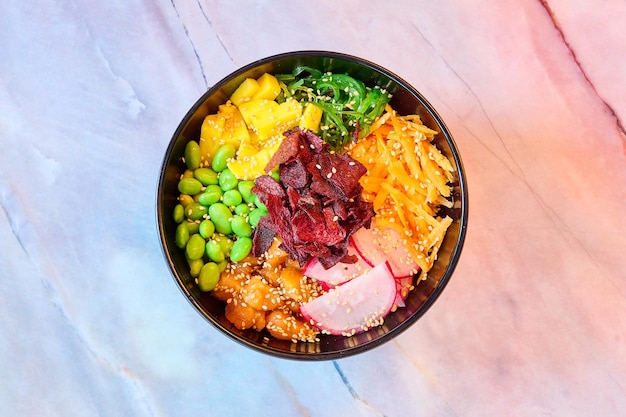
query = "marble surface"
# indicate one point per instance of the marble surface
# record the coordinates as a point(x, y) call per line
point(533, 322)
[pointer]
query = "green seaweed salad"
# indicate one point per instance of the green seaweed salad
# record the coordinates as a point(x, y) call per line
point(349, 107)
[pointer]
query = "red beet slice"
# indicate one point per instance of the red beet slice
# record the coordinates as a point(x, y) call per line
point(313, 214)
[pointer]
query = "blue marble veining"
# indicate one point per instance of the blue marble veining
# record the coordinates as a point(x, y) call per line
point(533, 321)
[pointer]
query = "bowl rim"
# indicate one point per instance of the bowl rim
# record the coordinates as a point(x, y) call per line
point(454, 255)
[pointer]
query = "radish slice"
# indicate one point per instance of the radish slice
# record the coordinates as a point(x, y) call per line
point(404, 286)
point(337, 274)
point(355, 306)
point(385, 245)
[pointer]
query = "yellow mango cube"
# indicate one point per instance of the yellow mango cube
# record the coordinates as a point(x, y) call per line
point(211, 135)
point(269, 88)
point(235, 128)
point(252, 158)
point(246, 149)
point(311, 117)
point(251, 108)
point(245, 91)
point(274, 121)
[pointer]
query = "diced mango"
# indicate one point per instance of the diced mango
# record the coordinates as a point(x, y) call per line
point(246, 148)
point(226, 126)
point(211, 135)
point(274, 121)
point(235, 128)
point(245, 91)
point(311, 117)
point(250, 165)
point(251, 108)
point(269, 88)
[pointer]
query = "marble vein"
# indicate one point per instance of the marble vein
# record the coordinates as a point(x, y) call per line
point(618, 123)
point(191, 42)
point(217, 35)
point(355, 395)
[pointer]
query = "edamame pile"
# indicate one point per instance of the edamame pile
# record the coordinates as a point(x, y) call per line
point(216, 214)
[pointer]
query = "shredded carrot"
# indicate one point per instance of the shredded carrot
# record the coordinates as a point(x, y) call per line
point(407, 180)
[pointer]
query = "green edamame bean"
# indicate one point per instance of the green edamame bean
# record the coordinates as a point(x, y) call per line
point(227, 180)
point(193, 226)
point(195, 247)
point(255, 215)
point(214, 251)
point(206, 229)
point(222, 265)
point(232, 198)
point(185, 199)
point(242, 209)
point(195, 211)
point(209, 276)
point(205, 175)
point(221, 216)
point(241, 248)
point(179, 213)
point(275, 174)
point(259, 203)
point(189, 186)
point(225, 243)
point(211, 195)
point(192, 154)
point(240, 226)
point(195, 265)
point(182, 235)
point(221, 157)
point(245, 188)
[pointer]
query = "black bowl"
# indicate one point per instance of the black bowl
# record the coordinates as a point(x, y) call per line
point(406, 100)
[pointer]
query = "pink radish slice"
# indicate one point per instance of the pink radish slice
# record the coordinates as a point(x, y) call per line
point(385, 245)
point(403, 287)
point(399, 301)
point(339, 273)
point(355, 306)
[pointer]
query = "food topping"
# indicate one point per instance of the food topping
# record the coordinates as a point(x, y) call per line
point(347, 106)
point(316, 206)
point(407, 180)
point(267, 292)
point(355, 306)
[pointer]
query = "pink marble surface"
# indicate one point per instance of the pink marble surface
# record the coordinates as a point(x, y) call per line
point(533, 322)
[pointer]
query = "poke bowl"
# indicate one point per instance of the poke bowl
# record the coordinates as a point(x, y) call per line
point(312, 205)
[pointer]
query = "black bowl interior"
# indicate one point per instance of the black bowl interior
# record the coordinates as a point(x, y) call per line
point(406, 100)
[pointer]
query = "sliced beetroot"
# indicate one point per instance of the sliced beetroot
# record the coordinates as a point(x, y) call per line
point(263, 236)
point(343, 173)
point(313, 214)
point(287, 151)
point(294, 174)
point(319, 183)
point(356, 306)
point(377, 246)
